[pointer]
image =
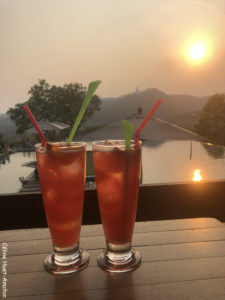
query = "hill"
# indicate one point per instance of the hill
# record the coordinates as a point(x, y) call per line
point(180, 109)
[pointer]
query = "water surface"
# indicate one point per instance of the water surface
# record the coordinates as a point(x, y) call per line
point(178, 161)
point(162, 161)
point(11, 169)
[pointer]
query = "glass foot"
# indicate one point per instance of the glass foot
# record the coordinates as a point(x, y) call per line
point(66, 264)
point(117, 263)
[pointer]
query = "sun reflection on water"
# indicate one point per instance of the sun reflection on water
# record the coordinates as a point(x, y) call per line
point(197, 175)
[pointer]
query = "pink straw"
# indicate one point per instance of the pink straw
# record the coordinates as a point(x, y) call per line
point(149, 115)
point(34, 122)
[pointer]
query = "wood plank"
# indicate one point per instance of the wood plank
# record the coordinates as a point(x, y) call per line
point(93, 278)
point(89, 230)
point(181, 259)
point(139, 239)
point(34, 262)
point(210, 289)
point(177, 224)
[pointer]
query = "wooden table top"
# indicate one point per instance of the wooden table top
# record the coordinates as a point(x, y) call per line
point(181, 259)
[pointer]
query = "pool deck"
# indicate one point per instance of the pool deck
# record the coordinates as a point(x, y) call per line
point(31, 184)
point(156, 129)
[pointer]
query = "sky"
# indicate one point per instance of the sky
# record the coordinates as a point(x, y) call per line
point(125, 43)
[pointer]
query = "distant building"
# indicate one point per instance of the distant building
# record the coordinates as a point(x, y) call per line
point(137, 90)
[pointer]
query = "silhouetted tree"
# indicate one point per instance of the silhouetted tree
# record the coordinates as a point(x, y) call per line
point(53, 103)
point(214, 151)
point(211, 121)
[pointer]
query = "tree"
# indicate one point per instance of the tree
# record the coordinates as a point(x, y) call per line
point(53, 103)
point(211, 121)
point(214, 151)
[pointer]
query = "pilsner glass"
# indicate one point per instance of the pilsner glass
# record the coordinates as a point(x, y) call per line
point(117, 173)
point(61, 170)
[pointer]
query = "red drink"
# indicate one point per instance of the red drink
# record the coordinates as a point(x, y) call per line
point(62, 169)
point(117, 173)
point(117, 178)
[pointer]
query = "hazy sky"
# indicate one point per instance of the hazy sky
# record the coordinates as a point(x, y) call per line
point(125, 43)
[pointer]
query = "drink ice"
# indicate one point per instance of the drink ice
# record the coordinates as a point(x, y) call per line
point(117, 173)
point(61, 170)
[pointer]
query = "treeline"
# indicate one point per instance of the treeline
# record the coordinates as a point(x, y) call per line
point(62, 104)
point(53, 103)
point(211, 120)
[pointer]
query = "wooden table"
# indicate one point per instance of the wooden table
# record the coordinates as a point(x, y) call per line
point(181, 259)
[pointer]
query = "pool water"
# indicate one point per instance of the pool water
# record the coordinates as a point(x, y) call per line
point(162, 162)
point(11, 169)
point(182, 161)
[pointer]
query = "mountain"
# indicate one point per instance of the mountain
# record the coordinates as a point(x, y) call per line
point(180, 109)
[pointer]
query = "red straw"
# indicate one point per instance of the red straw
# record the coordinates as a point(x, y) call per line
point(34, 122)
point(151, 112)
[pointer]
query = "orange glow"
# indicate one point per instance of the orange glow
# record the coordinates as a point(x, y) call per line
point(197, 175)
point(198, 49)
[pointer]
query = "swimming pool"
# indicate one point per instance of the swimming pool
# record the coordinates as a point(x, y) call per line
point(181, 161)
point(162, 162)
point(11, 169)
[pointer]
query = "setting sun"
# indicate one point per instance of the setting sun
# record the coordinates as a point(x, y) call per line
point(197, 51)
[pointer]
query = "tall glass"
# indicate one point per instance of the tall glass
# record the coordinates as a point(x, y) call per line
point(61, 170)
point(117, 173)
